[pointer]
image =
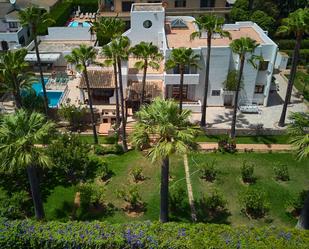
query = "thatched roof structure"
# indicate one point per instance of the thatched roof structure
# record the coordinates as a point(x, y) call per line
point(153, 89)
point(99, 79)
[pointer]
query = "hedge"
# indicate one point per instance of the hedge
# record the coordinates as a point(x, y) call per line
point(290, 44)
point(61, 13)
point(303, 56)
point(94, 235)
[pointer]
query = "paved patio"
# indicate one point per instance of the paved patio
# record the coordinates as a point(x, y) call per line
point(221, 117)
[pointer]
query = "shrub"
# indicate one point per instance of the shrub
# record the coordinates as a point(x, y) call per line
point(296, 204)
point(281, 172)
point(227, 145)
point(72, 114)
point(56, 235)
point(137, 174)
point(290, 44)
point(131, 195)
point(177, 200)
point(110, 149)
point(254, 203)
point(18, 205)
point(61, 13)
point(208, 171)
point(247, 170)
point(103, 171)
point(91, 195)
point(214, 203)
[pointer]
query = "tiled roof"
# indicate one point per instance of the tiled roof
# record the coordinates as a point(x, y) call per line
point(99, 79)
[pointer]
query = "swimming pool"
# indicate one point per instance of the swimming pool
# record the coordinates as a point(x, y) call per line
point(76, 24)
point(53, 96)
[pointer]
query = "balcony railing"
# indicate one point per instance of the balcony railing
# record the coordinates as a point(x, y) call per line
point(174, 79)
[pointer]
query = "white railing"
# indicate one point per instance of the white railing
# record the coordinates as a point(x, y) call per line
point(63, 96)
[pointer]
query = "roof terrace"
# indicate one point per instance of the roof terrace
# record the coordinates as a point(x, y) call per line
point(147, 7)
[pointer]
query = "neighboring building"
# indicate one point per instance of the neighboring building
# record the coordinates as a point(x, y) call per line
point(149, 23)
point(122, 8)
point(12, 35)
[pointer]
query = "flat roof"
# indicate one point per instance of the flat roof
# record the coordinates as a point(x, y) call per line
point(61, 46)
point(181, 37)
point(147, 7)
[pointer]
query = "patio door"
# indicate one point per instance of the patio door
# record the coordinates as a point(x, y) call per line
point(176, 92)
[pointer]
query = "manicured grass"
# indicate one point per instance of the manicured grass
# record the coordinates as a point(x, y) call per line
point(301, 79)
point(60, 203)
point(278, 139)
point(229, 183)
point(102, 139)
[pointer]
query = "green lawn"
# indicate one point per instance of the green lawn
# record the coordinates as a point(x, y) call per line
point(230, 184)
point(60, 203)
point(102, 139)
point(278, 139)
point(300, 80)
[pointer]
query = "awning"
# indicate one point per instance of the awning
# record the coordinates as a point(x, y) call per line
point(44, 57)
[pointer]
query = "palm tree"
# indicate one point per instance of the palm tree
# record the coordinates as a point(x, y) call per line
point(170, 132)
point(80, 57)
point(209, 24)
point(149, 56)
point(108, 28)
point(19, 135)
point(298, 130)
point(13, 74)
point(111, 59)
point(121, 49)
point(242, 47)
point(38, 21)
point(181, 58)
point(298, 24)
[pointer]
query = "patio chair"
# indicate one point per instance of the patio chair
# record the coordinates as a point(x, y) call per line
point(87, 15)
point(81, 16)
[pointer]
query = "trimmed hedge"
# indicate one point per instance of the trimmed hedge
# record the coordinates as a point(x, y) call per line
point(87, 235)
point(61, 13)
point(290, 44)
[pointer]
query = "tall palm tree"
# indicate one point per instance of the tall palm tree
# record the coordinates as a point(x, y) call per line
point(121, 49)
point(14, 75)
point(149, 56)
point(80, 57)
point(108, 28)
point(209, 24)
point(298, 24)
point(111, 59)
point(37, 20)
point(19, 134)
point(181, 58)
point(242, 47)
point(170, 132)
point(298, 130)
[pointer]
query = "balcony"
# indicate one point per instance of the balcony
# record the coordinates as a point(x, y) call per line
point(174, 79)
point(197, 11)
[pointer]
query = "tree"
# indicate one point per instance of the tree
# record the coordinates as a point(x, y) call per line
point(80, 57)
point(110, 55)
point(170, 132)
point(210, 24)
point(298, 24)
point(19, 135)
point(181, 59)
point(298, 130)
point(32, 102)
point(37, 20)
point(242, 47)
point(108, 28)
point(265, 21)
point(149, 56)
point(231, 82)
point(14, 77)
point(121, 49)
point(73, 114)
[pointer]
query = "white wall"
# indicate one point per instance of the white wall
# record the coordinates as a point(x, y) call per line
point(68, 34)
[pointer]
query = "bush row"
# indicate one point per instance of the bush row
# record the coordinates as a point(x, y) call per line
point(303, 57)
point(54, 235)
point(290, 44)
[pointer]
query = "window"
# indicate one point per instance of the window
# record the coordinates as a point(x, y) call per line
point(207, 3)
point(259, 89)
point(215, 92)
point(13, 25)
point(263, 65)
point(126, 6)
point(22, 40)
point(28, 32)
point(180, 3)
point(176, 92)
point(147, 24)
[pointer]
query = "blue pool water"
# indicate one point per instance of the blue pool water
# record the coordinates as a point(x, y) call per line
point(75, 24)
point(53, 96)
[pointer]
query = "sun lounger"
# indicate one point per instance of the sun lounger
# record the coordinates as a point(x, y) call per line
point(81, 16)
point(249, 109)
